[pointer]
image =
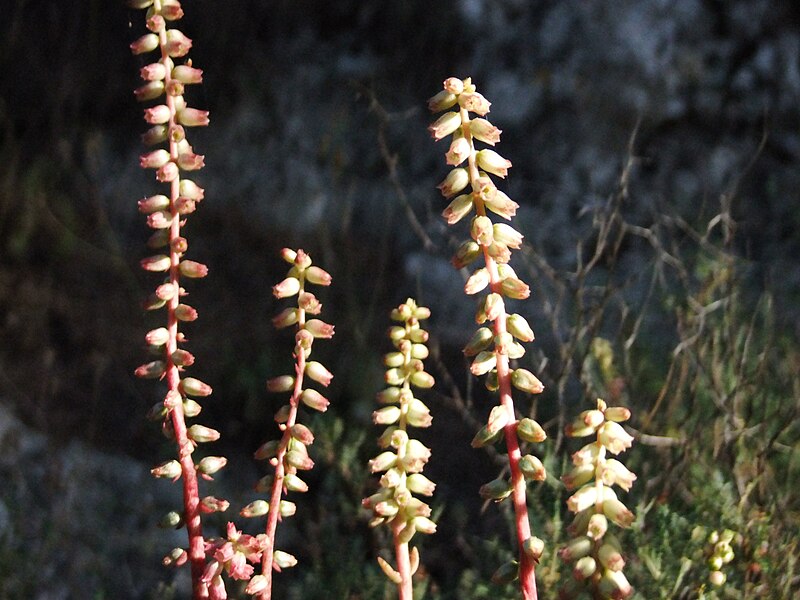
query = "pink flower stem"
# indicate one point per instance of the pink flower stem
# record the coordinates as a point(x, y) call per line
point(527, 578)
point(404, 588)
point(273, 516)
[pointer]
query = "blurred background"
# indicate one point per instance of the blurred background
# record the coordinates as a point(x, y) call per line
point(655, 147)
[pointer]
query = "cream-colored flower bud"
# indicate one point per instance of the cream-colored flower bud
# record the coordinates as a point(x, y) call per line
point(614, 437)
point(466, 254)
point(492, 162)
point(583, 498)
point(584, 568)
point(480, 340)
point(615, 585)
point(286, 288)
point(481, 230)
point(505, 234)
point(459, 151)
point(419, 484)
point(483, 363)
point(456, 180)
point(418, 415)
point(386, 416)
point(484, 131)
point(502, 205)
point(477, 282)
point(578, 476)
point(474, 102)
point(458, 208)
point(610, 557)
point(576, 548)
point(597, 527)
point(453, 85)
point(617, 414)
point(445, 125)
point(515, 288)
point(441, 101)
point(614, 472)
point(617, 512)
point(518, 327)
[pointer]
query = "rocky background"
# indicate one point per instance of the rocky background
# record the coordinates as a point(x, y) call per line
point(700, 98)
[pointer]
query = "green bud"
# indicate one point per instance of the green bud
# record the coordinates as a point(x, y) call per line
point(481, 340)
point(525, 381)
point(497, 490)
point(507, 573)
point(171, 520)
point(532, 468)
point(530, 431)
point(257, 508)
point(485, 438)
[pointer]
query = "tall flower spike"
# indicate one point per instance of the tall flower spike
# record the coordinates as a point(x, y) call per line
point(495, 345)
point(596, 555)
point(164, 81)
point(289, 455)
point(403, 458)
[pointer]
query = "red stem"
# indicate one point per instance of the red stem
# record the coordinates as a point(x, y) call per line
point(404, 588)
point(191, 492)
point(527, 578)
point(273, 516)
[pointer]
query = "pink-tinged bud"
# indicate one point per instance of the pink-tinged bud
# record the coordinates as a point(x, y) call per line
point(287, 508)
point(157, 337)
point(576, 549)
point(614, 585)
point(302, 260)
point(177, 43)
point(615, 473)
point(319, 329)
point(497, 490)
point(419, 484)
point(498, 419)
point(151, 370)
point(182, 358)
point(578, 476)
point(456, 180)
point(286, 288)
point(149, 91)
point(202, 434)
point(582, 499)
point(458, 209)
point(302, 434)
point(422, 380)
point(477, 282)
point(598, 525)
point(166, 291)
point(610, 557)
point(585, 567)
point(388, 395)
point(502, 205)
point(294, 484)
point(418, 415)
point(466, 254)
point(579, 429)
point(171, 10)
point(194, 387)
point(192, 117)
point(484, 438)
point(614, 437)
point(153, 204)
point(191, 408)
point(190, 189)
point(153, 72)
point(154, 160)
point(187, 75)
point(441, 101)
point(319, 373)
point(176, 558)
point(167, 470)
point(256, 585)
point(484, 131)
point(288, 255)
point(618, 414)
point(525, 381)
point(298, 460)
point(532, 468)
point(474, 102)
point(169, 172)
point(417, 454)
point(383, 462)
point(519, 328)
point(515, 288)
point(159, 220)
point(480, 340)
point(491, 161)
point(617, 512)
point(453, 85)
point(189, 161)
point(459, 152)
point(592, 418)
point(313, 399)
point(156, 23)
point(493, 306)
point(210, 504)
point(481, 230)
point(267, 450)
point(507, 235)
point(386, 416)
point(147, 43)
point(155, 135)
point(185, 313)
point(282, 383)
point(257, 508)
point(530, 431)
point(192, 269)
point(317, 276)
point(445, 125)
point(309, 303)
point(159, 239)
point(282, 560)
point(424, 525)
point(179, 245)
point(156, 115)
point(211, 464)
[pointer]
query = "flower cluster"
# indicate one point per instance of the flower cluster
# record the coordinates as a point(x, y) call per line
point(471, 191)
point(595, 554)
point(720, 553)
point(233, 555)
point(289, 454)
point(165, 80)
point(404, 458)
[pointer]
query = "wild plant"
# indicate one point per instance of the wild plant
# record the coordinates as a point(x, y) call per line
point(492, 347)
point(165, 81)
point(404, 457)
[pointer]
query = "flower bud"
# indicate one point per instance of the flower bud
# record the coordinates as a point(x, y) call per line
point(149, 91)
point(211, 464)
point(456, 180)
point(302, 434)
point(525, 381)
point(189, 161)
point(192, 117)
point(319, 329)
point(458, 209)
point(614, 437)
point(582, 499)
point(484, 362)
point(418, 415)
point(299, 460)
point(441, 101)
point(481, 340)
point(147, 43)
point(492, 162)
point(267, 450)
point(498, 419)
point(532, 468)
point(515, 288)
point(202, 434)
point(154, 159)
point(318, 373)
point(313, 399)
point(151, 370)
point(448, 123)
point(157, 337)
point(168, 172)
point(193, 269)
point(617, 512)
point(282, 560)
point(422, 380)
point(614, 584)
point(481, 230)
point(186, 313)
point(168, 470)
point(597, 527)
point(585, 567)
point(493, 306)
point(507, 235)
point(578, 476)
point(502, 205)
point(484, 131)
point(194, 387)
point(453, 85)
point(610, 557)
point(419, 484)
point(575, 549)
point(474, 102)
point(497, 490)
point(617, 414)
point(257, 508)
point(477, 282)
point(177, 43)
point(171, 520)
point(466, 254)
point(506, 573)
point(191, 408)
point(176, 558)
point(485, 438)
point(417, 454)
point(459, 151)
point(294, 484)
point(533, 547)
point(424, 525)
